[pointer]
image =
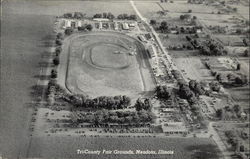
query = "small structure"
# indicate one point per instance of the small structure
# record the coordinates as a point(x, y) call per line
point(116, 26)
point(67, 24)
point(79, 23)
point(101, 19)
point(131, 24)
point(125, 26)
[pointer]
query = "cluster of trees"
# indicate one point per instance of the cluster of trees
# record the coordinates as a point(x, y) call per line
point(143, 105)
point(163, 92)
point(104, 15)
point(163, 27)
point(209, 47)
point(196, 87)
point(232, 139)
point(186, 93)
point(119, 117)
point(126, 16)
point(88, 27)
point(77, 15)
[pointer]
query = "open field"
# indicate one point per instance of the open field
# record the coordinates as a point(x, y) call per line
point(66, 147)
point(100, 61)
point(23, 40)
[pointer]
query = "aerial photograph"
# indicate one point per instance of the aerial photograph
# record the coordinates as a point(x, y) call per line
point(124, 79)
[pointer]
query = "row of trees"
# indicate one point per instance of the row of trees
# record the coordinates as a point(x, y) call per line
point(102, 102)
point(209, 47)
point(111, 16)
point(127, 17)
point(77, 15)
point(119, 117)
point(104, 15)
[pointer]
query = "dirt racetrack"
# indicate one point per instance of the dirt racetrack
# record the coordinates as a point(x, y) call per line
point(101, 63)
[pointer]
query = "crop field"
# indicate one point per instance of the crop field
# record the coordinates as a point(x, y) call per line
point(103, 61)
point(66, 147)
point(61, 7)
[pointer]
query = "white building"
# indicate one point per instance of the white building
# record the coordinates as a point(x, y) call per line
point(125, 26)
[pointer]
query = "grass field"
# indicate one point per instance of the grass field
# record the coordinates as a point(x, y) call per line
point(101, 61)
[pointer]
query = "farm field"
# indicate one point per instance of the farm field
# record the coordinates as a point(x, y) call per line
point(66, 147)
point(22, 43)
point(101, 61)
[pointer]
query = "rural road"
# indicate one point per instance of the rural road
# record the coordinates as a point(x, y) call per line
point(211, 130)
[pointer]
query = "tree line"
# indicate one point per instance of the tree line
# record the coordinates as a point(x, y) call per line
point(119, 117)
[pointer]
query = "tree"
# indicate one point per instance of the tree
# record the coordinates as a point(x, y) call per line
point(59, 36)
point(56, 61)
point(147, 104)
point(58, 50)
point(58, 42)
point(246, 53)
point(53, 73)
point(89, 27)
point(241, 80)
point(97, 16)
point(139, 104)
point(219, 77)
point(164, 26)
point(238, 66)
point(190, 11)
point(236, 108)
point(152, 22)
point(219, 113)
point(214, 86)
point(68, 31)
point(163, 92)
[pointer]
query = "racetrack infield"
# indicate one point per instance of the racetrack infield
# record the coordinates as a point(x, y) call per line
point(99, 64)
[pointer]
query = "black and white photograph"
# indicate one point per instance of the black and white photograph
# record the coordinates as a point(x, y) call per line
point(124, 79)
